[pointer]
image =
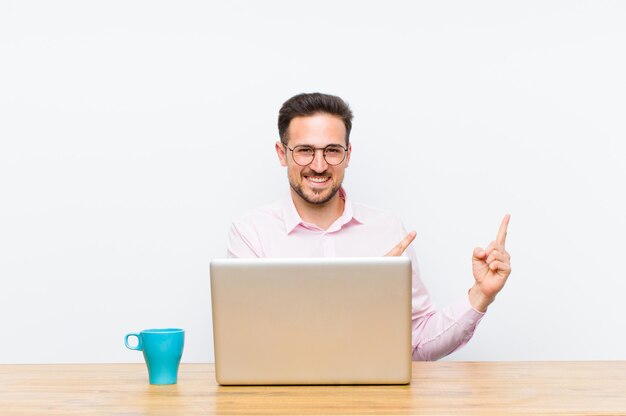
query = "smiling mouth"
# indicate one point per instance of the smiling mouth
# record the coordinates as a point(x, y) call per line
point(318, 179)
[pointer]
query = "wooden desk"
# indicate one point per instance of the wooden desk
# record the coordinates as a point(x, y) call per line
point(438, 388)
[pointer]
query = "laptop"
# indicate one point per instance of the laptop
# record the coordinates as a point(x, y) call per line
point(312, 320)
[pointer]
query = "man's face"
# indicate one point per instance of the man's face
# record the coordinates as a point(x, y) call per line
point(318, 182)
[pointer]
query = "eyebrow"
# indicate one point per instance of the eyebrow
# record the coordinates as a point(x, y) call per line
point(310, 145)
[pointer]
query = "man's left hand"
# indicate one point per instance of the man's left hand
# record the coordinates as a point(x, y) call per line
point(491, 268)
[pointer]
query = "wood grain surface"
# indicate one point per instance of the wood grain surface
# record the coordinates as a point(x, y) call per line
point(437, 388)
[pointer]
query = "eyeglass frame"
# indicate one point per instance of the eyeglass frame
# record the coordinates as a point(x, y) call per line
point(315, 149)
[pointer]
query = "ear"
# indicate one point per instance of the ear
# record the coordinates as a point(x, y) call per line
point(280, 151)
point(349, 154)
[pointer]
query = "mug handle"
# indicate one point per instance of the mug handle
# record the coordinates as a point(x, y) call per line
point(138, 347)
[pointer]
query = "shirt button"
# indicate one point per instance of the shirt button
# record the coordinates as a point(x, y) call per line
point(471, 322)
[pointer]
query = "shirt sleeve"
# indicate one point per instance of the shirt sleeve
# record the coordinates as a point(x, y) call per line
point(437, 333)
point(241, 242)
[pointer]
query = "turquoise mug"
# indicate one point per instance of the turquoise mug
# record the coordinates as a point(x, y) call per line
point(162, 349)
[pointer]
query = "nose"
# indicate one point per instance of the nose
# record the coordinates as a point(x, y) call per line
point(319, 164)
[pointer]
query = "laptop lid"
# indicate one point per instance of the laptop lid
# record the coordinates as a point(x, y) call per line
point(312, 320)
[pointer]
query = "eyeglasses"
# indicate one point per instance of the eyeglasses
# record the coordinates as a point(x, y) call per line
point(303, 155)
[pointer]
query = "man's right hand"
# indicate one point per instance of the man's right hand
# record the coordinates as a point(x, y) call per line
point(402, 245)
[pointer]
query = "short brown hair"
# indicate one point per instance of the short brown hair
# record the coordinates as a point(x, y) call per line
point(309, 104)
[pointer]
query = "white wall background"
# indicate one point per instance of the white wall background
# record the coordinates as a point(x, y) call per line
point(133, 132)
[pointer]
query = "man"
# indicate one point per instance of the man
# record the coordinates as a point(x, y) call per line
point(318, 219)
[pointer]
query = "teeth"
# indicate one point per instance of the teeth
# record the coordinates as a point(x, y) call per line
point(316, 179)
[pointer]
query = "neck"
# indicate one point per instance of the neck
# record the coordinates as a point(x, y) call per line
point(322, 215)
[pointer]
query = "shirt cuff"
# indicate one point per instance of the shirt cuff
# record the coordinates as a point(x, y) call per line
point(468, 317)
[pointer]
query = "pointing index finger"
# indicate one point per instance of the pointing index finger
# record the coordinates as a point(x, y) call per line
point(500, 240)
point(402, 245)
point(405, 242)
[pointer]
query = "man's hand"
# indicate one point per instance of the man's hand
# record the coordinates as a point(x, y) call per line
point(402, 245)
point(491, 268)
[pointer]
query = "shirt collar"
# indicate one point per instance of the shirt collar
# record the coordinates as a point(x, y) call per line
point(293, 219)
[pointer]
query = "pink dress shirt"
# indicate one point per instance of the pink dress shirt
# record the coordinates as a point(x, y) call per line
point(277, 230)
